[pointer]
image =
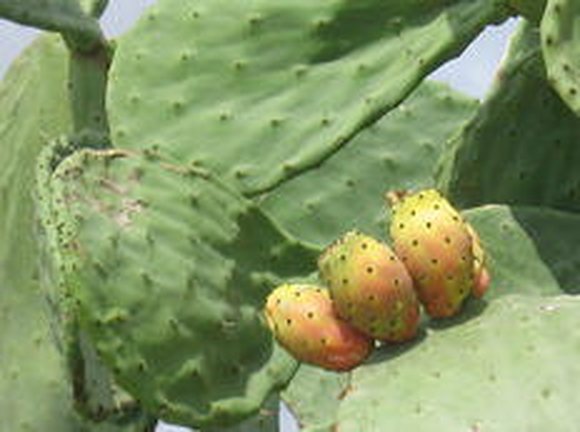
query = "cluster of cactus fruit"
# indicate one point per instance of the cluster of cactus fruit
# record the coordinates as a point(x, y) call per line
point(155, 190)
point(371, 292)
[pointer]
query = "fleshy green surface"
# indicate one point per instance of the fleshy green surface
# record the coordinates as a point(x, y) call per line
point(398, 152)
point(512, 368)
point(32, 108)
point(260, 91)
point(560, 30)
point(166, 261)
point(65, 16)
point(522, 145)
point(530, 250)
point(35, 391)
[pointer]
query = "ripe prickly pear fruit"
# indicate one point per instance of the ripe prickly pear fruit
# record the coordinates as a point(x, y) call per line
point(371, 287)
point(304, 321)
point(436, 246)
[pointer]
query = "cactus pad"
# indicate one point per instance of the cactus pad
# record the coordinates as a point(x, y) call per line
point(525, 250)
point(398, 152)
point(542, 133)
point(261, 91)
point(171, 270)
point(36, 392)
point(513, 367)
point(560, 31)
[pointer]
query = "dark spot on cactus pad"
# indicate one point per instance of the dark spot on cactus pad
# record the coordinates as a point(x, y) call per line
point(401, 226)
point(434, 261)
point(456, 218)
point(370, 269)
point(310, 315)
point(428, 225)
point(297, 294)
point(345, 281)
point(450, 277)
point(447, 240)
point(413, 213)
point(392, 257)
point(371, 298)
point(415, 242)
point(289, 321)
point(572, 91)
point(278, 301)
point(436, 206)
point(323, 341)
point(364, 246)
point(396, 281)
point(343, 257)
point(463, 258)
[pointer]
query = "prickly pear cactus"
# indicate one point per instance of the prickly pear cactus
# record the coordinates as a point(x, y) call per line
point(559, 33)
point(36, 388)
point(228, 79)
point(212, 257)
point(254, 134)
point(542, 134)
point(395, 153)
point(463, 377)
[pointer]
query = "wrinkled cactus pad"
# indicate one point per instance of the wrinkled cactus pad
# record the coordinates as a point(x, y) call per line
point(171, 269)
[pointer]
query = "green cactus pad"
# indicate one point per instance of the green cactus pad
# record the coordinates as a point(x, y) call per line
point(520, 146)
point(96, 394)
point(171, 270)
point(35, 390)
point(261, 91)
point(65, 16)
point(512, 368)
point(560, 30)
point(530, 250)
point(398, 152)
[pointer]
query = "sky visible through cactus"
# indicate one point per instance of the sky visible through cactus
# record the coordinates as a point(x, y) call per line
point(472, 74)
